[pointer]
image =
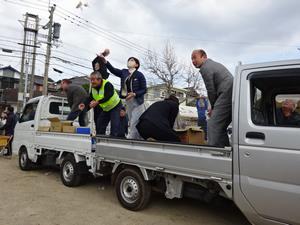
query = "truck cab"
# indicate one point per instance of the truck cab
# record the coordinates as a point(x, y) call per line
point(36, 114)
point(266, 152)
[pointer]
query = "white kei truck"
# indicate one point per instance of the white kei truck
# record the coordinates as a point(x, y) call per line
point(260, 172)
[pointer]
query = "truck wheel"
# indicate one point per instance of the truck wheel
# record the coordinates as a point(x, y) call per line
point(69, 173)
point(132, 190)
point(24, 162)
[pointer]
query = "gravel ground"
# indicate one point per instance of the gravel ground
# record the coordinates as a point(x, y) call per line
point(38, 198)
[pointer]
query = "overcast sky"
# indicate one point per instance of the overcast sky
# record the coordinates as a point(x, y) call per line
point(229, 30)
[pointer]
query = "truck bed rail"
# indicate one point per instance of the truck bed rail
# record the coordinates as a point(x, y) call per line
point(195, 161)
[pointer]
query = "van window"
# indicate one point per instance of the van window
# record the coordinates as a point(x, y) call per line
point(287, 110)
point(28, 112)
point(59, 108)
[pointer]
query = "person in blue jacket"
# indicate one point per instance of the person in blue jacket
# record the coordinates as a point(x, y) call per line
point(133, 88)
point(202, 107)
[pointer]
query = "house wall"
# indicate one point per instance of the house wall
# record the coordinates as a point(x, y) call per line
point(157, 93)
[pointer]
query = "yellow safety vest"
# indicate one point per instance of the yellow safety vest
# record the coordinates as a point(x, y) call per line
point(111, 103)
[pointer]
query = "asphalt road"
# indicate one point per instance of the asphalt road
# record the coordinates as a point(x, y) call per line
point(38, 198)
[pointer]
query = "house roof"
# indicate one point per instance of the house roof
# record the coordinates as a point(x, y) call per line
point(9, 68)
point(37, 79)
point(77, 80)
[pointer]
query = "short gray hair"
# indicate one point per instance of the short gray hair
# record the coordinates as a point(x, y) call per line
point(97, 74)
point(290, 101)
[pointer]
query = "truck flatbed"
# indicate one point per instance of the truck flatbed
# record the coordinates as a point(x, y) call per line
point(196, 161)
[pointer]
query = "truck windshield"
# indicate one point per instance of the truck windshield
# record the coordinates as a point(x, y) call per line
point(29, 112)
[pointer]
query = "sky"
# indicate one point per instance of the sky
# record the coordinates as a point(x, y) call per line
point(230, 31)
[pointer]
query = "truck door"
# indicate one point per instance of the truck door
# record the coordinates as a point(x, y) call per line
point(25, 130)
point(269, 141)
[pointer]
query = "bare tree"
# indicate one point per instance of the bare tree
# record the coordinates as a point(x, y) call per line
point(164, 66)
point(193, 78)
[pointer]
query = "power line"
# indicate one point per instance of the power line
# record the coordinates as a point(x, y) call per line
point(95, 31)
point(64, 60)
point(81, 20)
point(103, 32)
point(19, 3)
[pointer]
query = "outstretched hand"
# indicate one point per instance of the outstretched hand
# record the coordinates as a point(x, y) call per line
point(93, 104)
point(103, 55)
point(106, 52)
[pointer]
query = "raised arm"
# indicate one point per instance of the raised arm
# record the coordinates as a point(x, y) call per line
point(115, 71)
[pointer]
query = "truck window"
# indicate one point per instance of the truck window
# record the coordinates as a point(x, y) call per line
point(28, 112)
point(59, 108)
point(257, 111)
point(274, 98)
point(287, 110)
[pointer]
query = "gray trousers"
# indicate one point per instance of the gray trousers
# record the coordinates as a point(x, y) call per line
point(218, 123)
point(134, 111)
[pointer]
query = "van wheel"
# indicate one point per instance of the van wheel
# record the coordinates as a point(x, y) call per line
point(132, 190)
point(69, 172)
point(24, 162)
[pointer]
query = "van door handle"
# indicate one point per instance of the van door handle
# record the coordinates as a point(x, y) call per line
point(255, 135)
point(32, 125)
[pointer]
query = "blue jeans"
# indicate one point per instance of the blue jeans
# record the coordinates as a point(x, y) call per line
point(82, 117)
point(112, 116)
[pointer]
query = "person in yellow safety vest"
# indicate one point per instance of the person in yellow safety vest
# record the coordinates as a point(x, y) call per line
point(104, 94)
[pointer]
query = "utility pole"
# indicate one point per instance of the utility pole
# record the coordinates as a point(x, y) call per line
point(31, 27)
point(21, 81)
point(48, 54)
point(34, 59)
point(26, 83)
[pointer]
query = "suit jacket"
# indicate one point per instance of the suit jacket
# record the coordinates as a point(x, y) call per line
point(76, 95)
point(218, 81)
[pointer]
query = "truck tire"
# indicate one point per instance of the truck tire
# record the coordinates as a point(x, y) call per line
point(132, 190)
point(25, 163)
point(69, 172)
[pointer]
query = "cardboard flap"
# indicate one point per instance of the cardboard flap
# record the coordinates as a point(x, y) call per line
point(67, 123)
point(54, 119)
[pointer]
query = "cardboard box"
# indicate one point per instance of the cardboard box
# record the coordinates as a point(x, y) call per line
point(69, 129)
point(191, 135)
point(44, 128)
point(57, 125)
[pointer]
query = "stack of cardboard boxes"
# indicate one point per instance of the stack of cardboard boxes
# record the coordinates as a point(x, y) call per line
point(56, 125)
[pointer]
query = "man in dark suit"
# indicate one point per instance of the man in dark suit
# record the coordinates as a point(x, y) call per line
point(219, 82)
point(158, 120)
